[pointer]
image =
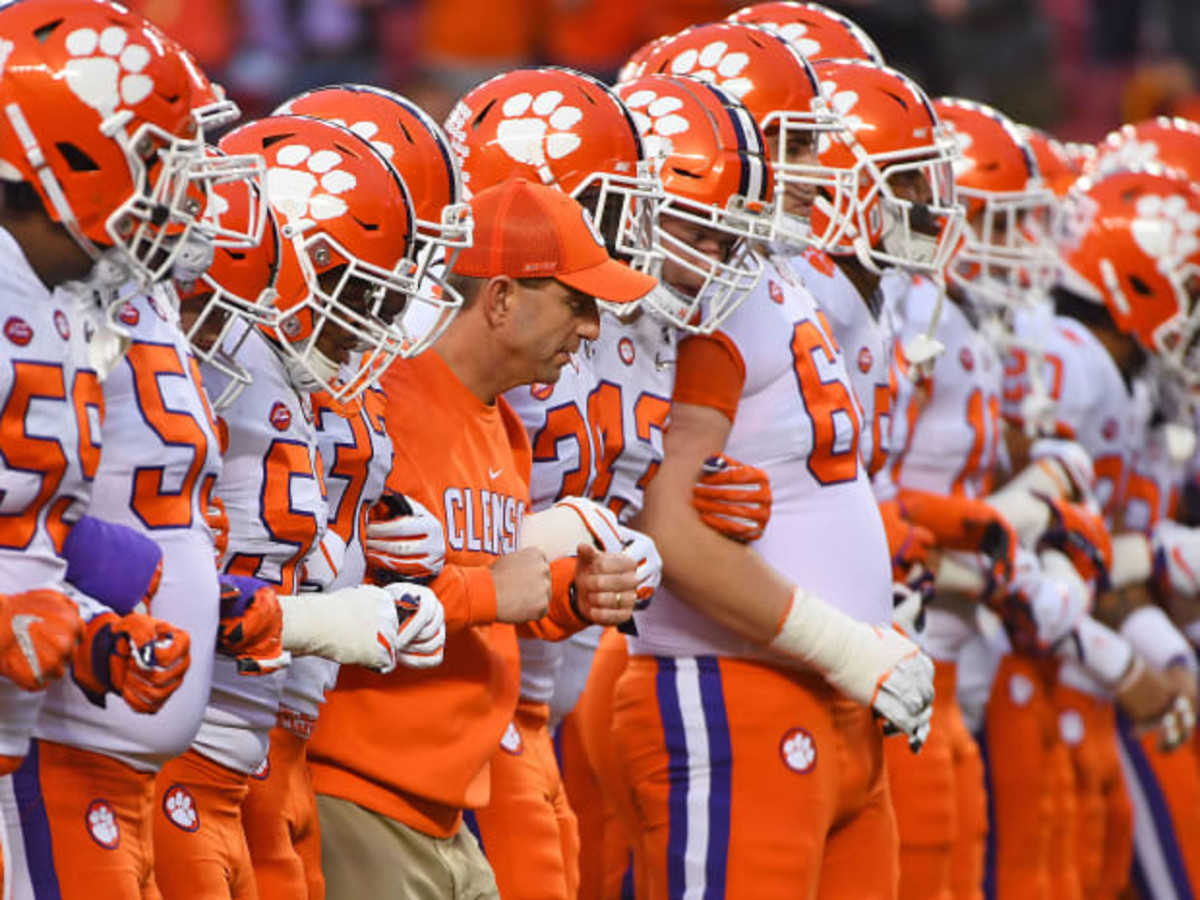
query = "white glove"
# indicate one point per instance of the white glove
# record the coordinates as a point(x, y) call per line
point(422, 637)
point(1057, 601)
point(411, 545)
point(354, 626)
point(1177, 553)
point(643, 551)
point(878, 667)
point(1176, 725)
point(559, 530)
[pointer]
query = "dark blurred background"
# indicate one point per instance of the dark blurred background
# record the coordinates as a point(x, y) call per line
point(1075, 67)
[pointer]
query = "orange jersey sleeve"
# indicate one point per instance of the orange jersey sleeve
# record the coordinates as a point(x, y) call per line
point(710, 371)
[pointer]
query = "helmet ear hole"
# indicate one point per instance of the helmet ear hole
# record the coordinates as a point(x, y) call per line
point(75, 158)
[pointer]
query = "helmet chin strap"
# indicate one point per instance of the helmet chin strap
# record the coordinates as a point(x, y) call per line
point(308, 369)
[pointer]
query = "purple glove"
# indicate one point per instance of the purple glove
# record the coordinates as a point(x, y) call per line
point(112, 563)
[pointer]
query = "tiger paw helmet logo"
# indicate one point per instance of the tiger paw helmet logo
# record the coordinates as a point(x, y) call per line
point(105, 70)
point(180, 807)
point(842, 103)
point(537, 128)
point(657, 120)
point(102, 824)
point(715, 64)
point(794, 33)
point(1166, 227)
point(799, 750)
point(305, 186)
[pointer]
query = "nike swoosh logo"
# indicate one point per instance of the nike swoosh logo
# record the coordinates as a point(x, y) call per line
point(20, 628)
point(495, 474)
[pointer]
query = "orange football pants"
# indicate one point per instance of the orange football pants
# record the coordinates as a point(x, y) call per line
point(1104, 834)
point(85, 822)
point(280, 819)
point(754, 783)
point(528, 830)
point(940, 803)
point(1020, 734)
point(605, 851)
point(199, 843)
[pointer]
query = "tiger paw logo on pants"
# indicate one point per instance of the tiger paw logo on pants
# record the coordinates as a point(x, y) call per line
point(180, 808)
point(102, 824)
point(105, 69)
point(799, 750)
point(537, 128)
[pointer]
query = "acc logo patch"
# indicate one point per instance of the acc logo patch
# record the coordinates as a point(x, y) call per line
point(158, 310)
point(62, 324)
point(511, 742)
point(966, 358)
point(102, 824)
point(541, 391)
point(129, 314)
point(263, 772)
point(18, 331)
point(775, 291)
point(180, 807)
point(625, 351)
point(281, 416)
point(799, 750)
point(865, 360)
point(1110, 429)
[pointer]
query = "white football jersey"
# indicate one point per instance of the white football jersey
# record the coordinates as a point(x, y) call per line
point(634, 362)
point(161, 459)
point(866, 333)
point(555, 417)
point(1092, 402)
point(946, 431)
point(273, 488)
point(798, 420)
point(51, 408)
point(357, 452)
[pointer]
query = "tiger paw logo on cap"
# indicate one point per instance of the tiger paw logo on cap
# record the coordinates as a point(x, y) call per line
point(102, 824)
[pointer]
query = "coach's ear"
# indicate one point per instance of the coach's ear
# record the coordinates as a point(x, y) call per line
point(496, 296)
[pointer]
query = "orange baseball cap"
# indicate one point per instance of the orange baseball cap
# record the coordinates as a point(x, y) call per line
point(528, 230)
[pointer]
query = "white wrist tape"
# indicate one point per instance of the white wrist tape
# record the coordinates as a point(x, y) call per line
point(1133, 561)
point(355, 625)
point(957, 574)
point(853, 656)
point(1156, 638)
point(1103, 652)
point(559, 530)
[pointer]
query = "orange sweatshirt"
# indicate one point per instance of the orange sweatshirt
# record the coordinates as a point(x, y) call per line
point(414, 745)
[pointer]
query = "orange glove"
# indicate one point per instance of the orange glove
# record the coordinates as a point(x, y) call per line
point(218, 524)
point(139, 657)
point(38, 633)
point(909, 545)
point(962, 523)
point(733, 498)
point(251, 627)
point(1082, 536)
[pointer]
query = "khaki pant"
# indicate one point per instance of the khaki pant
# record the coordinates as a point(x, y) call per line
point(365, 854)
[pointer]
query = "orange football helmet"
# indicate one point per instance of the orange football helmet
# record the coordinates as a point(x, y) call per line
point(97, 116)
point(816, 31)
point(559, 127)
point(1004, 258)
point(891, 134)
point(633, 66)
point(779, 88)
point(1131, 240)
point(238, 285)
point(347, 225)
point(1058, 169)
point(715, 175)
point(1171, 143)
point(420, 151)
